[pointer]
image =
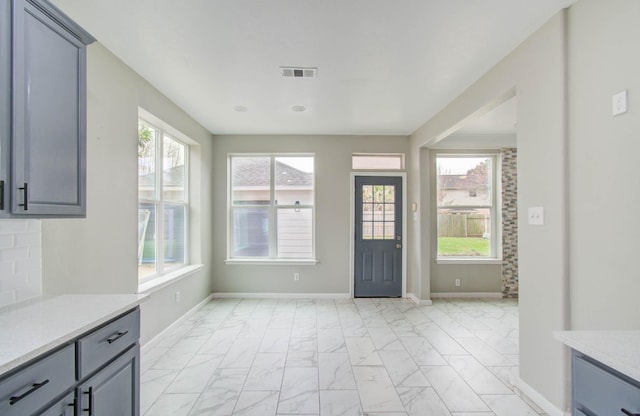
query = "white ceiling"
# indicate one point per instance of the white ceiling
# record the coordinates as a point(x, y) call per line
point(384, 67)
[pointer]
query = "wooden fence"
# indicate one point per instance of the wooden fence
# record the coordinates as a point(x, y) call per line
point(463, 225)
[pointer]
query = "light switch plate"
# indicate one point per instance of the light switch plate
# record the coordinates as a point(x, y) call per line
point(619, 103)
point(536, 216)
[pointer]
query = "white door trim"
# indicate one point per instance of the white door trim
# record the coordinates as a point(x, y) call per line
point(352, 231)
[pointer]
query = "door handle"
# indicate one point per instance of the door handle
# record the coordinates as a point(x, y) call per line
point(90, 408)
point(25, 205)
point(398, 245)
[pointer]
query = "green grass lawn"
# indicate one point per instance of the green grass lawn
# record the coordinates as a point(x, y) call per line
point(460, 246)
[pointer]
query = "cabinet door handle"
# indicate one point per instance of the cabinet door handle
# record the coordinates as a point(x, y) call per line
point(24, 190)
point(628, 413)
point(116, 337)
point(90, 408)
point(15, 399)
point(1, 195)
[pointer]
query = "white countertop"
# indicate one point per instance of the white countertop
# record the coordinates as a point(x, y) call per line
point(30, 329)
point(619, 350)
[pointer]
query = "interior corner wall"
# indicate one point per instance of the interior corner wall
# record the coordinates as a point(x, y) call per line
point(537, 71)
point(98, 254)
point(604, 177)
point(332, 274)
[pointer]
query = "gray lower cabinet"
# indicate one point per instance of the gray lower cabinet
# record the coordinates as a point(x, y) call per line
point(601, 391)
point(113, 390)
point(43, 94)
point(94, 375)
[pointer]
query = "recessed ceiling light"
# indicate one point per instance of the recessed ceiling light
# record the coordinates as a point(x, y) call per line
point(298, 108)
point(240, 109)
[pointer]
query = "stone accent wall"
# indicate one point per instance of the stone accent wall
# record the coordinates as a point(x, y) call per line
point(20, 260)
point(509, 284)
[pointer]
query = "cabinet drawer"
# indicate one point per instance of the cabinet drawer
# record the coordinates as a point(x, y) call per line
point(34, 387)
point(104, 344)
point(601, 392)
point(64, 407)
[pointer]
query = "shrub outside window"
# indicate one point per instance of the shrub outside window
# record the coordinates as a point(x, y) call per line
point(162, 201)
point(465, 197)
point(271, 205)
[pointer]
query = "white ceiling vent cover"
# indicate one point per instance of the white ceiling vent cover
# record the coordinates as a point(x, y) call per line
point(298, 72)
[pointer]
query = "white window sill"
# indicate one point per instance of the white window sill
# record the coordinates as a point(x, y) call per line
point(265, 262)
point(468, 260)
point(165, 280)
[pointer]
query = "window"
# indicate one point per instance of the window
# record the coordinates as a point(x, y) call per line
point(377, 161)
point(465, 188)
point(163, 208)
point(271, 207)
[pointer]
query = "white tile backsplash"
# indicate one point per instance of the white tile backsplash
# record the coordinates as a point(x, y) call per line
point(20, 260)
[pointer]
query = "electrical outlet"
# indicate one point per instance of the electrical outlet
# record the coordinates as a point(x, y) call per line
point(619, 103)
point(296, 276)
point(177, 297)
point(457, 282)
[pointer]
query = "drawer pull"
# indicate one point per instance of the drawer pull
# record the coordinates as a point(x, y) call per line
point(628, 413)
point(116, 337)
point(15, 399)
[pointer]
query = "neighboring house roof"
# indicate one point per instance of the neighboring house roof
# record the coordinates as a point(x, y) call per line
point(255, 172)
point(170, 177)
point(460, 182)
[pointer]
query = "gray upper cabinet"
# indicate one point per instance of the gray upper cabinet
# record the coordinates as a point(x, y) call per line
point(46, 140)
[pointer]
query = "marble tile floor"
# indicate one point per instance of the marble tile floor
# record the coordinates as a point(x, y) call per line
point(338, 357)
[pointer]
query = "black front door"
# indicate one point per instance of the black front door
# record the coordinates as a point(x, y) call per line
point(378, 236)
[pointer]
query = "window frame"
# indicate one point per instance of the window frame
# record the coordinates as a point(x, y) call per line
point(494, 207)
point(272, 208)
point(162, 129)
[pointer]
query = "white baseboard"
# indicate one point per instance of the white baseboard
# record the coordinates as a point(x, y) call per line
point(151, 343)
point(245, 295)
point(420, 302)
point(539, 399)
point(467, 295)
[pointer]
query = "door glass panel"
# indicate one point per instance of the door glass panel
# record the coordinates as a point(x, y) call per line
point(367, 193)
point(378, 212)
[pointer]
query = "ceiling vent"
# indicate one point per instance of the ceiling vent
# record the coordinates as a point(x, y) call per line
point(298, 72)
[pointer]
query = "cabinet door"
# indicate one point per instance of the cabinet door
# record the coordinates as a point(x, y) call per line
point(114, 390)
point(65, 407)
point(48, 129)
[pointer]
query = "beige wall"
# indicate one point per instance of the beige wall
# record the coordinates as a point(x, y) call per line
point(332, 172)
point(535, 71)
point(98, 254)
point(603, 166)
